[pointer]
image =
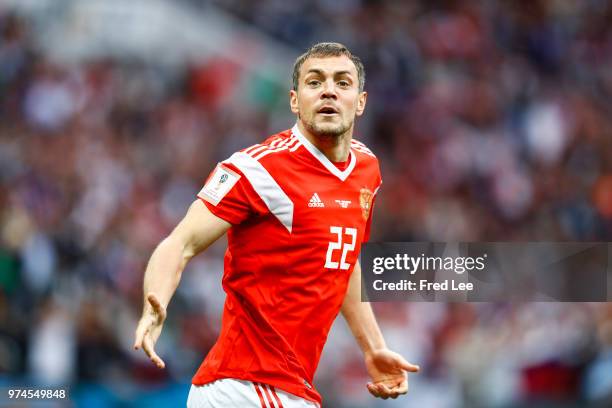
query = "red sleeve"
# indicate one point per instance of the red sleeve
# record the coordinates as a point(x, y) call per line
point(366, 235)
point(228, 194)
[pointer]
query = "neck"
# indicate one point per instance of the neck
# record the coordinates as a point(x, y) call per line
point(336, 149)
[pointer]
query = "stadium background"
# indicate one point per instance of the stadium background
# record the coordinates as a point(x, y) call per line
point(492, 121)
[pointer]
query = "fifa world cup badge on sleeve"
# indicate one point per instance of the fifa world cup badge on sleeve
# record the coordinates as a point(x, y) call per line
point(219, 184)
point(365, 200)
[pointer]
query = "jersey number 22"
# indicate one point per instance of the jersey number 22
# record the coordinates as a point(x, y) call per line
point(340, 245)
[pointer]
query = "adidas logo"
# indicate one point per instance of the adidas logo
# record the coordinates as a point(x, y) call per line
point(343, 203)
point(315, 201)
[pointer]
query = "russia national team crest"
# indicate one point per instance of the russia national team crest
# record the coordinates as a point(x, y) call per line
point(365, 200)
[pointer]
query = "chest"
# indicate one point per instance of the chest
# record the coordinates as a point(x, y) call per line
point(321, 201)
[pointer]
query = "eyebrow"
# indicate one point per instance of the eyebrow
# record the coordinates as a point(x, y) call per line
point(319, 72)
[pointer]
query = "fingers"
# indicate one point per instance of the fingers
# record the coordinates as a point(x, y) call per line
point(157, 306)
point(147, 345)
point(373, 389)
point(411, 368)
point(157, 317)
point(402, 388)
point(141, 330)
point(385, 392)
point(389, 392)
point(387, 389)
point(144, 341)
point(152, 320)
point(382, 391)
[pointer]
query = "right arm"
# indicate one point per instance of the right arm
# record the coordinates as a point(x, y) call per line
point(196, 232)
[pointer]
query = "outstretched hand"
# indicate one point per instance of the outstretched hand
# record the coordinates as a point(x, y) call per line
point(388, 372)
point(150, 327)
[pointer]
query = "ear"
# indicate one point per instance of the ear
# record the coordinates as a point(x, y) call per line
point(293, 101)
point(361, 103)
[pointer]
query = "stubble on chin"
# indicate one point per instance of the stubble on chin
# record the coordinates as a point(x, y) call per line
point(327, 132)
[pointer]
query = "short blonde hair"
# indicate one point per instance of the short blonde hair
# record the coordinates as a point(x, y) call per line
point(328, 49)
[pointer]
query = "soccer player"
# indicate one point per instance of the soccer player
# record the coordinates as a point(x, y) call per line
point(296, 209)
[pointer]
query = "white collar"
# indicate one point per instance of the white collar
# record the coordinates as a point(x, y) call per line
point(341, 174)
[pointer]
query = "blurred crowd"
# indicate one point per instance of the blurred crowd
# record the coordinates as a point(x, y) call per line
point(492, 121)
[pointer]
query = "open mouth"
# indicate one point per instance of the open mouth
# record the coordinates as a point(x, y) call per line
point(328, 110)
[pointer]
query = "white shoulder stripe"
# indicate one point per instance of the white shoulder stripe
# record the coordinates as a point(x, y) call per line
point(291, 141)
point(284, 145)
point(267, 152)
point(368, 152)
point(251, 148)
point(276, 142)
point(285, 142)
point(357, 143)
point(257, 150)
point(266, 187)
point(295, 145)
point(269, 149)
point(360, 147)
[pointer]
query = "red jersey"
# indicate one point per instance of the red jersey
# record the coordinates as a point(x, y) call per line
point(298, 221)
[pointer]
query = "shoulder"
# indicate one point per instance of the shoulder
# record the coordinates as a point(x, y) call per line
point(276, 145)
point(264, 156)
point(360, 147)
point(368, 162)
point(363, 152)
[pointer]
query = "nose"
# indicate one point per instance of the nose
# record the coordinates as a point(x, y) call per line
point(329, 90)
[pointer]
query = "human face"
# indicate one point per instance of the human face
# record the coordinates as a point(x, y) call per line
point(328, 99)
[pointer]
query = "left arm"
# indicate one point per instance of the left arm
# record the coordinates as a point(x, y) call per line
point(387, 368)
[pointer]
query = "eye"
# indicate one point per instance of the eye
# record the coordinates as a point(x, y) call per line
point(313, 82)
point(344, 84)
